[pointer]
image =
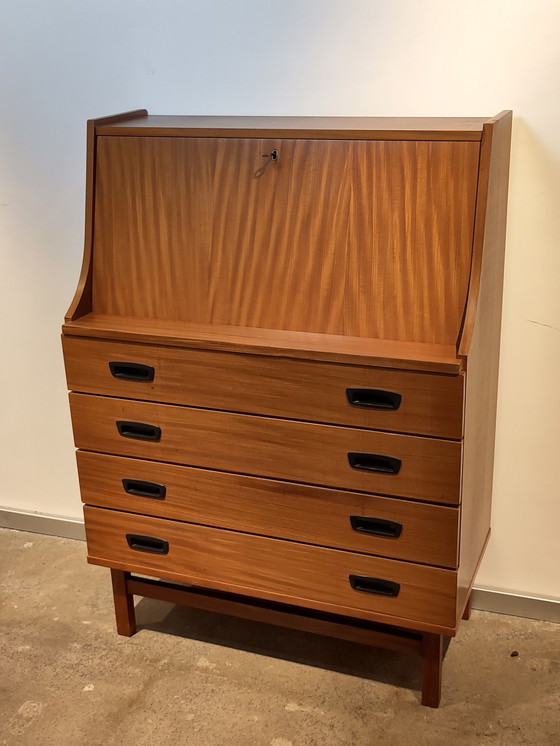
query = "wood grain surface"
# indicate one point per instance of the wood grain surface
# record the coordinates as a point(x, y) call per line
point(364, 239)
point(124, 603)
point(490, 224)
point(345, 128)
point(82, 301)
point(265, 446)
point(419, 356)
point(269, 507)
point(482, 345)
point(410, 237)
point(277, 570)
point(152, 227)
point(432, 659)
point(295, 389)
point(283, 615)
point(279, 241)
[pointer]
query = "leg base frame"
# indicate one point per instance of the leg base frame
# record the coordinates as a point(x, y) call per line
point(429, 646)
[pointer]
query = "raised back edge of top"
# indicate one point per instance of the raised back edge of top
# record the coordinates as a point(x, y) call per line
point(353, 128)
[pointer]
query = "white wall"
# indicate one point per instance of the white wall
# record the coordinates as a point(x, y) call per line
point(66, 61)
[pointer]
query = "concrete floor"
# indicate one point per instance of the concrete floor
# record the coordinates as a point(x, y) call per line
point(191, 677)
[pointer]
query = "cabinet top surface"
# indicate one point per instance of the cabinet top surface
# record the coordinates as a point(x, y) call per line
point(404, 128)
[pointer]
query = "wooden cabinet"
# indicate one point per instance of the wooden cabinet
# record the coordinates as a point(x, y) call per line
point(283, 357)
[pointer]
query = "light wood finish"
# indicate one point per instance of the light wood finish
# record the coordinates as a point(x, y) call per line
point(264, 446)
point(329, 128)
point(276, 570)
point(368, 254)
point(490, 225)
point(483, 361)
point(296, 389)
point(152, 227)
point(408, 258)
point(432, 659)
point(253, 242)
point(82, 301)
point(418, 356)
point(184, 231)
point(124, 603)
point(279, 509)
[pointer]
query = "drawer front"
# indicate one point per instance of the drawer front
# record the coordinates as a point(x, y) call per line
point(426, 404)
point(386, 526)
point(428, 469)
point(270, 568)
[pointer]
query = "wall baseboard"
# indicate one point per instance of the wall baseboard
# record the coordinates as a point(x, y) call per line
point(36, 523)
point(498, 602)
point(530, 607)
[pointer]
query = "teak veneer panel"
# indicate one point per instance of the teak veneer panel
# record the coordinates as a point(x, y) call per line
point(481, 341)
point(296, 389)
point(268, 568)
point(327, 128)
point(299, 202)
point(279, 509)
point(265, 446)
point(370, 238)
point(410, 233)
point(381, 353)
point(82, 301)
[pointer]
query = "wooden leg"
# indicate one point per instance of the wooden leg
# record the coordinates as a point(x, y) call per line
point(467, 611)
point(432, 658)
point(124, 604)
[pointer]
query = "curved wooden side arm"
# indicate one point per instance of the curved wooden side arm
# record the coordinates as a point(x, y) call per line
point(486, 278)
point(82, 301)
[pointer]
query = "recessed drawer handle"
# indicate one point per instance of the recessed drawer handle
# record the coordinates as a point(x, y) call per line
point(373, 398)
point(144, 489)
point(132, 371)
point(378, 586)
point(138, 430)
point(376, 526)
point(374, 462)
point(147, 544)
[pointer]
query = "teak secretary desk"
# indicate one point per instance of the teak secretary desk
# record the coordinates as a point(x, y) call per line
point(283, 356)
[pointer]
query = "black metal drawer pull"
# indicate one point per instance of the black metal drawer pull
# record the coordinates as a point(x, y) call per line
point(373, 398)
point(374, 462)
point(138, 430)
point(376, 526)
point(144, 489)
point(132, 371)
point(378, 586)
point(147, 544)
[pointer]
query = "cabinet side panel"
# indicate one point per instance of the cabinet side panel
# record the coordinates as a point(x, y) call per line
point(82, 301)
point(482, 363)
